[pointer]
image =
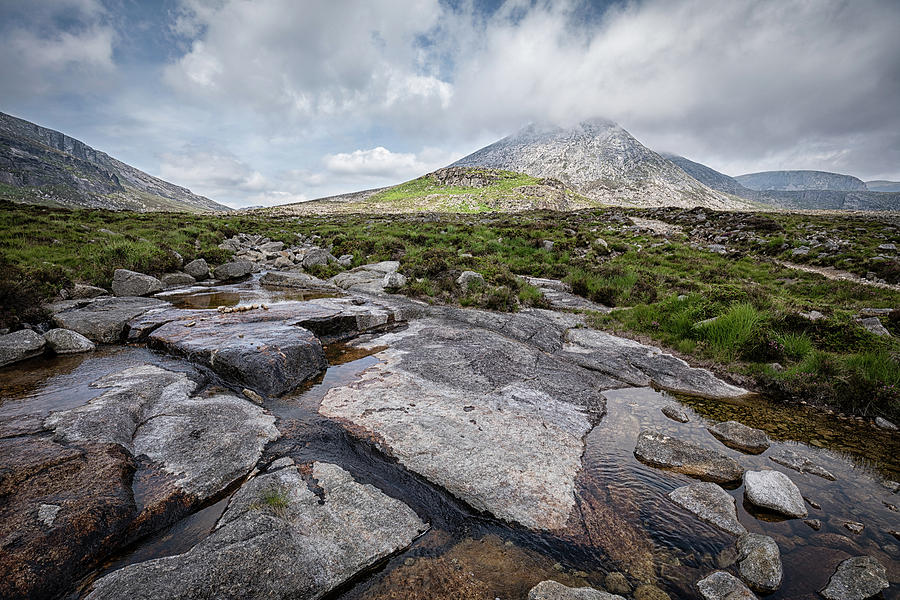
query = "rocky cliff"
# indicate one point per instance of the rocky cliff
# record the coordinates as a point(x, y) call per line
point(43, 166)
point(601, 160)
point(799, 181)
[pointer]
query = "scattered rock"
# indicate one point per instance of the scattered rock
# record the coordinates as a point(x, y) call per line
point(132, 283)
point(883, 423)
point(887, 246)
point(548, 245)
point(793, 460)
point(66, 341)
point(551, 590)
point(20, 345)
point(316, 257)
point(86, 292)
point(198, 269)
point(873, 325)
point(812, 315)
point(47, 513)
point(599, 245)
point(366, 278)
point(801, 251)
point(676, 413)
point(278, 539)
point(234, 270)
point(854, 526)
point(740, 437)
point(711, 504)
point(723, 586)
point(171, 280)
point(469, 278)
point(856, 578)
point(104, 320)
point(815, 524)
point(393, 281)
point(253, 396)
point(760, 562)
point(773, 490)
point(659, 450)
point(641, 365)
point(295, 279)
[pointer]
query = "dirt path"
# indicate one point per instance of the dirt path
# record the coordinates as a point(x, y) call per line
point(832, 273)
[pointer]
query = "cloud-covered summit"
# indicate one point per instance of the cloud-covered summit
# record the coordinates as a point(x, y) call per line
point(275, 100)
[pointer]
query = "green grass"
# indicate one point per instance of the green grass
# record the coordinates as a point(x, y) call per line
point(731, 332)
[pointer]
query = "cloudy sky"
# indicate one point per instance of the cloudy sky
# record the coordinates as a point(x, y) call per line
point(274, 101)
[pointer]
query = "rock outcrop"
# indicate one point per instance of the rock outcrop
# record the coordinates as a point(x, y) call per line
point(317, 540)
point(104, 320)
point(659, 450)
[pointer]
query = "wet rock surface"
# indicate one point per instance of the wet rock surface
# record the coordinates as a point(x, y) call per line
point(317, 541)
point(660, 450)
point(759, 562)
point(723, 586)
point(104, 320)
point(856, 578)
point(66, 341)
point(676, 413)
point(793, 460)
point(20, 345)
point(740, 437)
point(493, 421)
point(551, 590)
point(773, 490)
point(710, 503)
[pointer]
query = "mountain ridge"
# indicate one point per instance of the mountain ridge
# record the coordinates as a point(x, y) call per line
point(801, 180)
point(40, 165)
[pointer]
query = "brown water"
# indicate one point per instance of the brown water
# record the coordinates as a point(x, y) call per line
point(626, 522)
point(249, 291)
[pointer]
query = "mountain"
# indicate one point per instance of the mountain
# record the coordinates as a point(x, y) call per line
point(812, 199)
point(880, 185)
point(602, 161)
point(791, 181)
point(43, 166)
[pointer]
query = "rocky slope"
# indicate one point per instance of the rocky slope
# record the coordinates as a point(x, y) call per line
point(881, 185)
point(601, 160)
point(43, 166)
point(819, 198)
point(789, 181)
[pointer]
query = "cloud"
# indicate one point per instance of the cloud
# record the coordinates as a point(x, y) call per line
point(378, 162)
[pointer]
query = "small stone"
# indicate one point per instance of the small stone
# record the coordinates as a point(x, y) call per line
point(760, 562)
point(812, 503)
point(873, 325)
point(801, 251)
point(723, 586)
point(856, 578)
point(854, 526)
point(816, 524)
point(177, 280)
point(253, 396)
point(885, 424)
point(740, 437)
point(548, 245)
point(676, 413)
point(47, 513)
point(393, 281)
point(83, 292)
point(812, 315)
point(469, 279)
point(773, 490)
point(198, 269)
point(66, 341)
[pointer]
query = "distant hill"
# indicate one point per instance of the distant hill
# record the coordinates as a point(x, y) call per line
point(602, 161)
point(43, 166)
point(799, 181)
point(814, 199)
point(880, 185)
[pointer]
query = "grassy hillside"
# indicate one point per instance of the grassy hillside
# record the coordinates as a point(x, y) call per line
point(738, 312)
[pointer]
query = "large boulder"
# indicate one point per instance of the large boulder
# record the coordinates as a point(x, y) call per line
point(234, 270)
point(298, 280)
point(496, 422)
point(85, 292)
point(66, 341)
point(132, 283)
point(316, 257)
point(641, 365)
point(710, 503)
point(20, 345)
point(552, 590)
point(740, 437)
point(773, 490)
point(104, 320)
point(723, 586)
point(759, 562)
point(170, 280)
point(198, 269)
point(366, 278)
point(856, 578)
point(660, 450)
point(282, 536)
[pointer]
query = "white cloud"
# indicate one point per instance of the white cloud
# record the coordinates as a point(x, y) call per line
point(379, 162)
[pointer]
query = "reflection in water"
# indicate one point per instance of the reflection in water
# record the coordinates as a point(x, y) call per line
point(233, 294)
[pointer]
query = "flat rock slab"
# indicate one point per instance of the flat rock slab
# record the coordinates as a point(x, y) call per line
point(205, 442)
point(641, 365)
point(497, 423)
point(740, 437)
point(560, 297)
point(795, 461)
point(710, 503)
point(20, 345)
point(773, 490)
point(278, 539)
point(660, 450)
point(723, 586)
point(759, 562)
point(366, 278)
point(269, 356)
point(856, 578)
point(104, 320)
point(552, 590)
point(64, 508)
